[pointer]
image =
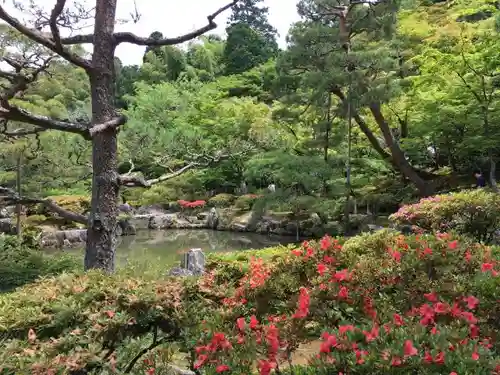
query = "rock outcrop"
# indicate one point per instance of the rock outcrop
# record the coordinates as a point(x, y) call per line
point(64, 238)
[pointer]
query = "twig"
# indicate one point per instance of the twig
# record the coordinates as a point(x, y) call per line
point(127, 37)
point(153, 345)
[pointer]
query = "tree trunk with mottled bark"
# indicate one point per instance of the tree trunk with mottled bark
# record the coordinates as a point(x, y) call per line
point(398, 157)
point(102, 131)
point(101, 230)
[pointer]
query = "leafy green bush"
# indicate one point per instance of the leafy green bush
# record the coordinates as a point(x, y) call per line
point(331, 209)
point(246, 202)
point(75, 203)
point(183, 187)
point(475, 213)
point(20, 264)
point(35, 219)
point(221, 200)
point(157, 194)
point(425, 304)
point(374, 244)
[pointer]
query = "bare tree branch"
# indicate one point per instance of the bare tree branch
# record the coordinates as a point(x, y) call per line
point(25, 73)
point(54, 15)
point(130, 180)
point(40, 38)
point(20, 132)
point(13, 113)
point(19, 80)
point(134, 180)
point(10, 197)
point(126, 37)
point(108, 125)
point(78, 39)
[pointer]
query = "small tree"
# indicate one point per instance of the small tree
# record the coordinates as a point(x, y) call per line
point(44, 31)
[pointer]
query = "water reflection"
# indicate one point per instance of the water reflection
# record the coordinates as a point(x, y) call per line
point(166, 245)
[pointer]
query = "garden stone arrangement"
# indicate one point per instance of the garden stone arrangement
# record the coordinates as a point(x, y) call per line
point(192, 264)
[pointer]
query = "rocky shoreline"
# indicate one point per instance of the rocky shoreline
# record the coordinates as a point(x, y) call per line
point(221, 219)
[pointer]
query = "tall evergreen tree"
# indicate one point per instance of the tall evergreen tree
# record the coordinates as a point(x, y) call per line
point(347, 50)
point(251, 40)
point(255, 16)
point(156, 35)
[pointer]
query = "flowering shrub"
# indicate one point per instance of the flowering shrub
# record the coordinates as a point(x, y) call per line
point(475, 213)
point(193, 204)
point(426, 304)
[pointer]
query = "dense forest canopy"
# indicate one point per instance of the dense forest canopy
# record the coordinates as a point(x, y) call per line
point(419, 78)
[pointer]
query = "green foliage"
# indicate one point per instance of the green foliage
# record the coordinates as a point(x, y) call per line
point(222, 200)
point(188, 187)
point(75, 203)
point(251, 40)
point(242, 259)
point(70, 321)
point(36, 219)
point(328, 209)
point(245, 49)
point(21, 264)
point(190, 118)
point(245, 202)
point(475, 213)
point(287, 171)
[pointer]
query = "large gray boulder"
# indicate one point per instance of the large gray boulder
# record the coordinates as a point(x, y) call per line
point(6, 212)
point(162, 221)
point(64, 238)
point(212, 219)
point(127, 228)
point(6, 226)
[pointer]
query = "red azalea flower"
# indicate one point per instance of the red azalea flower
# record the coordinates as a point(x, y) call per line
point(409, 349)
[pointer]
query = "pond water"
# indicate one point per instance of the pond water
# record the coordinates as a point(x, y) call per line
point(165, 246)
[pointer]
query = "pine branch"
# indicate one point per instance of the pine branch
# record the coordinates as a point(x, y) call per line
point(126, 37)
point(40, 38)
point(54, 15)
point(10, 197)
point(12, 113)
point(199, 161)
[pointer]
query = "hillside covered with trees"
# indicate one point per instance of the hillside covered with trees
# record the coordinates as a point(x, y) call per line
point(375, 109)
point(367, 107)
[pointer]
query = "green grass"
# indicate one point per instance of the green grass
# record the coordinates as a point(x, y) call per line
point(245, 256)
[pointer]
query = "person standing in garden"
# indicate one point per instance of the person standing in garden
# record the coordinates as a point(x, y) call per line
point(480, 180)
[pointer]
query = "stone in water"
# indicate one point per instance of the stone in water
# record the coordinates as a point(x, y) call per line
point(192, 264)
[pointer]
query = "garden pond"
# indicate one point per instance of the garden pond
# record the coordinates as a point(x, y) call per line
point(165, 246)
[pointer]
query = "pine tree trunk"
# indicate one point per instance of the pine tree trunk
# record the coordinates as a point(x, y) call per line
point(19, 206)
point(493, 172)
point(101, 232)
point(398, 156)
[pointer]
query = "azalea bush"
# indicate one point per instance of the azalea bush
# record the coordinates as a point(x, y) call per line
point(475, 213)
point(191, 206)
point(426, 304)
